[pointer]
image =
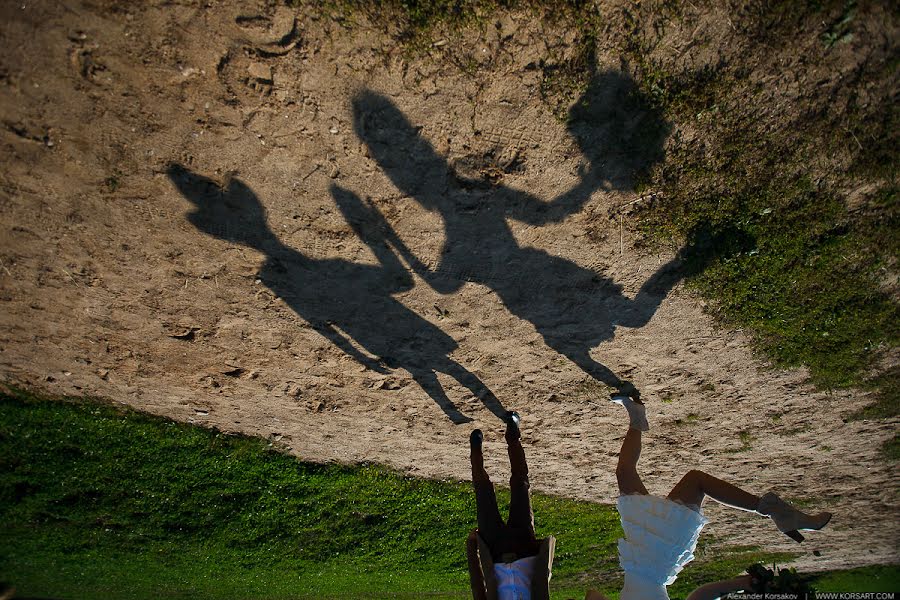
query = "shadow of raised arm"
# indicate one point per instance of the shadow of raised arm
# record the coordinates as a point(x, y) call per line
point(704, 245)
point(371, 226)
point(529, 209)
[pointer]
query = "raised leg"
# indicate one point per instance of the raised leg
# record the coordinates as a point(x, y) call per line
point(696, 485)
point(490, 524)
point(521, 540)
point(626, 469)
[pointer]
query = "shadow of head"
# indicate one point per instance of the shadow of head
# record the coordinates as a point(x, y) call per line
point(617, 128)
point(230, 212)
point(615, 125)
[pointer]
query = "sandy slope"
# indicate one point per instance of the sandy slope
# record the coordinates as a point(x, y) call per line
point(232, 321)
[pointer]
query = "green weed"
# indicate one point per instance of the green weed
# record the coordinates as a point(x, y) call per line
point(839, 31)
point(864, 579)
point(746, 443)
point(98, 501)
point(564, 81)
point(113, 182)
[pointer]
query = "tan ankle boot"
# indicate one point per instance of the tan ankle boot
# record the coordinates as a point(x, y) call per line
point(788, 519)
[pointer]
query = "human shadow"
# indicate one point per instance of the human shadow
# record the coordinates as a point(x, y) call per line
point(573, 308)
point(344, 301)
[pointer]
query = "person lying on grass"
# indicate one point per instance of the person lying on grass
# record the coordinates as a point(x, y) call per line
point(506, 561)
point(661, 533)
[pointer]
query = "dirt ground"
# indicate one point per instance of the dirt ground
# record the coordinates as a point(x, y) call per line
point(362, 256)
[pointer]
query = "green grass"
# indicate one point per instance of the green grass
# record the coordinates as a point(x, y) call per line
point(865, 579)
point(746, 440)
point(102, 502)
point(98, 501)
point(793, 267)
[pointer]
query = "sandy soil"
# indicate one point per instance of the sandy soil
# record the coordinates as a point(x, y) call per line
point(363, 256)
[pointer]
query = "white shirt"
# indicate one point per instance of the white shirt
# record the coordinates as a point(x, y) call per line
point(514, 579)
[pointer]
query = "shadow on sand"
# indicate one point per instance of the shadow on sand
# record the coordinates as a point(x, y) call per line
point(573, 308)
point(347, 303)
point(352, 305)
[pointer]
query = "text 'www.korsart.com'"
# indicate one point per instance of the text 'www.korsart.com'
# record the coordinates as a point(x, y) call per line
point(815, 596)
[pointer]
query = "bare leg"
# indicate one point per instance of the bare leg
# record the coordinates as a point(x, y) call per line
point(626, 469)
point(520, 513)
point(696, 485)
point(521, 540)
point(479, 474)
point(490, 524)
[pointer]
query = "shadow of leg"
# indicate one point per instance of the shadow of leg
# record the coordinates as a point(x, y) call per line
point(600, 372)
point(476, 386)
point(428, 380)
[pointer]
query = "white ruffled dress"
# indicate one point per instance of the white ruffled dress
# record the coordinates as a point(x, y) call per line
point(660, 537)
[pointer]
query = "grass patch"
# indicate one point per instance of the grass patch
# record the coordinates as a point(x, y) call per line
point(796, 270)
point(778, 247)
point(689, 419)
point(866, 579)
point(102, 502)
point(98, 501)
point(564, 80)
point(746, 440)
point(113, 182)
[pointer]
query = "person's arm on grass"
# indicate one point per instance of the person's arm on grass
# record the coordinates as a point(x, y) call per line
point(717, 589)
point(476, 577)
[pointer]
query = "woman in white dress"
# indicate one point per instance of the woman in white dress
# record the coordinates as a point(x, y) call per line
point(661, 533)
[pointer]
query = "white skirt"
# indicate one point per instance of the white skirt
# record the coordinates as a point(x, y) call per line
point(660, 537)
